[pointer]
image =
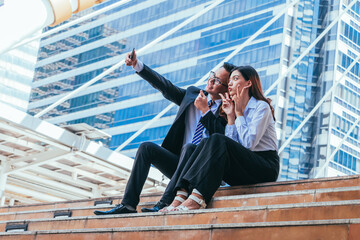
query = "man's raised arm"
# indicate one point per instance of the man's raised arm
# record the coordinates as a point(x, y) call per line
point(169, 90)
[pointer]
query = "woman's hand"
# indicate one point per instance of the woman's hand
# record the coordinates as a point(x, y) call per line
point(228, 107)
point(241, 99)
point(201, 102)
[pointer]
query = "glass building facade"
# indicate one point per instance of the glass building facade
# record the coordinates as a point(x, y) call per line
point(345, 102)
point(121, 103)
point(16, 75)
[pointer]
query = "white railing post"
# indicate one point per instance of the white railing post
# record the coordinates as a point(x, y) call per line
point(3, 179)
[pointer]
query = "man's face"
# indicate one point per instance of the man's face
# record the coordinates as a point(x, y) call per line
point(217, 83)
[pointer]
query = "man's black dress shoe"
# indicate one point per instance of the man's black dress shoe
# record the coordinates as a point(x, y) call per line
point(159, 205)
point(119, 209)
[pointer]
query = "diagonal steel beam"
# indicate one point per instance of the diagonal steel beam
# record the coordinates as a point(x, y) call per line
point(26, 191)
point(12, 150)
point(37, 156)
point(149, 45)
point(43, 158)
point(61, 177)
point(21, 142)
point(69, 24)
point(84, 173)
point(31, 135)
point(311, 46)
point(328, 93)
point(102, 166)
point(52, 184)
point(232, 54)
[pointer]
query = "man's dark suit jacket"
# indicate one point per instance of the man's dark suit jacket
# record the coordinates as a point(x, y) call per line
point(175, 137)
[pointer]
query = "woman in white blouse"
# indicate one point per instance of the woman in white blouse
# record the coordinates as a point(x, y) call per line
point(246, 154)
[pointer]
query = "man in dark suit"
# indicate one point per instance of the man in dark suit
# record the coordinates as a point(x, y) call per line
point(198, 117)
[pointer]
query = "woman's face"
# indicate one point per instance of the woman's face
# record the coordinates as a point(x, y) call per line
point(236, 81)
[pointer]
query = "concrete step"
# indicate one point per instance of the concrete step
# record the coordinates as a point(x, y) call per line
point(319, 183)
point(343, 229)
point(151, 197)
point(320, 195)
point(295, 196)
point(284, 212)
point(297, 185)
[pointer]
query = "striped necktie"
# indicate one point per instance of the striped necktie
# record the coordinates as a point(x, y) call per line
point(200, 128)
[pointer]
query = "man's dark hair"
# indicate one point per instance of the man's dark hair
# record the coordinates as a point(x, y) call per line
point(228, 66)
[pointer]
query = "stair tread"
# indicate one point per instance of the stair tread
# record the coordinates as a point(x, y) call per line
point(311, 206)
point(255, 187)
point(199, 211)
point(196, 226)
point(220, 198)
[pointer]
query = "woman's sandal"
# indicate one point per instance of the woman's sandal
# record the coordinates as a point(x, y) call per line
point(199, 201)
point(180, 199)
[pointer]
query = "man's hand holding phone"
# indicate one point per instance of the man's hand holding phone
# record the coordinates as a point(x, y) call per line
point(130, 59)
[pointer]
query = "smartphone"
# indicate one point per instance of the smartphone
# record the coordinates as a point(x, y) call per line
point(132, 54)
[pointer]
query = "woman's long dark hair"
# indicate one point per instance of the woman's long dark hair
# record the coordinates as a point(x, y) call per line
point(249, 73)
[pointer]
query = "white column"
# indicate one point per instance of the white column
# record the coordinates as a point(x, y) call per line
point(96, 192)
point(11, 202)
point(3, 178)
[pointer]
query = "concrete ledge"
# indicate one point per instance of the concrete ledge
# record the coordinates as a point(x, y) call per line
point(224, 198)
point(195, 227)
point(260, 185)
point(287, 193)
point(199, 211)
